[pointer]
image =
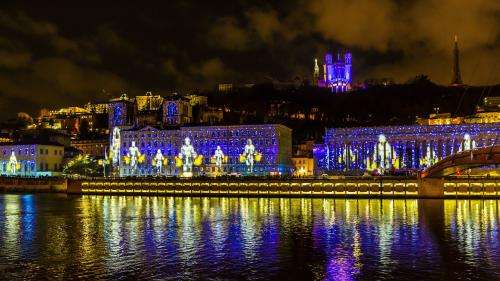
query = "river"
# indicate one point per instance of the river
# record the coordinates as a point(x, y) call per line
point(51, 236)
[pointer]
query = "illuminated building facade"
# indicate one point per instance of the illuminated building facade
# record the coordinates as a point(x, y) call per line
point(484, 117)
point(31, 159)
point(446, 119)
point(95, 147)
point(272, 146)
point(491, 103)
point(100, 108)
point(337, 72)
point(303, 166)
point(212, 115)
point(74, 120)
point(120, 112)
point(177, 112)
point(148, 102)
point(5, 138)
point(225, 88)
point(386, 149)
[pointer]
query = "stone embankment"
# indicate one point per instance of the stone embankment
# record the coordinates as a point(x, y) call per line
point(378, 187)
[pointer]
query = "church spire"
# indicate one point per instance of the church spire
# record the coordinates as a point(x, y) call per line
point(316, 72)
point(457, 77)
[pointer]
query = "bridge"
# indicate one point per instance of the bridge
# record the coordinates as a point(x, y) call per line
point(470, 159)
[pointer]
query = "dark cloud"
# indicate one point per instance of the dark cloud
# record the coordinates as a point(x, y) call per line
point(79, 49)
point(110, 39)
point(39, 67)
point(367, 24)
point(14, 60)
point(22, 23)
point(227, 34)
point(55, 82)
point(265, 23)
point(211, 70)
point(422, 31)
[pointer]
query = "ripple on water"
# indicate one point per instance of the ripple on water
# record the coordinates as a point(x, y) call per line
point(115, 237)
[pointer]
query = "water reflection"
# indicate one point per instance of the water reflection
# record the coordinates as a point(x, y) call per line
point(48, 236)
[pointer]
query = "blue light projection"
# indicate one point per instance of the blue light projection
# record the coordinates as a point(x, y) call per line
point(171, 109)
point(28, 223)
point(18, 160)
point(337, 72)
point(408, 147)
point(118, 114)
point(272, 142)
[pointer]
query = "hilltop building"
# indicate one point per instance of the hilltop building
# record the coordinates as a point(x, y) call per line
point(488, 112)
point(337, 72)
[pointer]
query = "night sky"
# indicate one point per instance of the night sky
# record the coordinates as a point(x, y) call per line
point(66, 53)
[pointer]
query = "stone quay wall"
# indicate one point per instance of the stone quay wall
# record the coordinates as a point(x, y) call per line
point(380, 187)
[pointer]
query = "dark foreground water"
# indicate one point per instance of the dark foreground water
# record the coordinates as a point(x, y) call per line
point(115, 237)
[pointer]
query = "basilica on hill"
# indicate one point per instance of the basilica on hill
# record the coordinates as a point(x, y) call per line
point(337, 72)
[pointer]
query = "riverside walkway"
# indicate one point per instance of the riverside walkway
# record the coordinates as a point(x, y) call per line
point(367, 187)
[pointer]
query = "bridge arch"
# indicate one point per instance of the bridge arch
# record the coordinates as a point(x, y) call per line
point(480, 157)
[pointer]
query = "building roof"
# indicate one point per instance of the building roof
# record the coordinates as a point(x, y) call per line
point(31, 143)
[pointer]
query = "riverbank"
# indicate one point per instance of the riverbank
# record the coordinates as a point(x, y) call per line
point(376, 187)
point(19, 184)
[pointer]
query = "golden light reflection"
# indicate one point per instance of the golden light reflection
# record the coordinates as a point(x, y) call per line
point(472, 223)
point(11, 228)
point(112, 234)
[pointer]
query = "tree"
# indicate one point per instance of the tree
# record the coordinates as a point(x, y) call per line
point(82, 165)
point(420, 79)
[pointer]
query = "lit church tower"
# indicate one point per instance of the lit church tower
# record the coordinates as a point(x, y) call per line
point(316, 72)
point(348, 66)
point(457, 77)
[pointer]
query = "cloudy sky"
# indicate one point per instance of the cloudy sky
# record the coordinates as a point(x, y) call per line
point(64, 52)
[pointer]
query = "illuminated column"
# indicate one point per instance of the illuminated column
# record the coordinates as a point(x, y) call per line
point(356, 151)
point(362, 156)
point(335, 156)
point(392, 155)
point(445, 145)
point(421, 153)
point(413, 155)
point(434, 146)
point(404, 156)
point(399, 153)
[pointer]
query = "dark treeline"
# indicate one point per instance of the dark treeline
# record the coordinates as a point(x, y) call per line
point(398, 104)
